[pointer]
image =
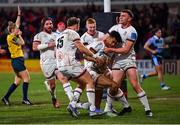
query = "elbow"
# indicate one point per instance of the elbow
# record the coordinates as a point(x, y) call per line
point(23, 44)
point(145, 47)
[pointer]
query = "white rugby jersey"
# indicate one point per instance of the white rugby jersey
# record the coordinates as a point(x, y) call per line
point(66, 49)
point(88, 39)
point(128, 33)
point(98, 46)
point(46, 55)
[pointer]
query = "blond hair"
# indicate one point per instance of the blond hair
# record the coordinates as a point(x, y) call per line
point(11, 26)
point(90, 21)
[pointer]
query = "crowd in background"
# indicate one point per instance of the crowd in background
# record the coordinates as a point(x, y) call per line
point(146, 18)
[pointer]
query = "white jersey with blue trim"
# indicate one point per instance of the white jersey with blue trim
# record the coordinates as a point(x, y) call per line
point(126, 34)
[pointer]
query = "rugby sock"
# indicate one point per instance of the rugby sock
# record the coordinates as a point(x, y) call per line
point(108, 103)
point(77, 93)
point(143, 99)
point(145, 76)
point(91, 98)
point(122, 98)
point(53, 93)
point(162, 84)
point(68, 90)
point(10, 91)
point(25, 90)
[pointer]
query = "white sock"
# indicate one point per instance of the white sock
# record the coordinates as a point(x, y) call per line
point(122, 98)
point(77, 93)
point(68, 90)
point(109, 102)
point(143, 99)
point(91, 98)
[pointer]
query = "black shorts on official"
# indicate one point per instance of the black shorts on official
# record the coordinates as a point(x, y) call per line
point(18, 64)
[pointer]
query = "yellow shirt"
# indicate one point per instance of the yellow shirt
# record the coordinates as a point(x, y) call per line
point(14, 48)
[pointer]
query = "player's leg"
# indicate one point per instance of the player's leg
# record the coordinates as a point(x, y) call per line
point(49, 73)
point(86, 79)
point(66, 85)
point(133, 78)
point(159, 70)
point(11, 89)
point(25, 77)
point(150, 74)
point(117, 76)
point(51, 87)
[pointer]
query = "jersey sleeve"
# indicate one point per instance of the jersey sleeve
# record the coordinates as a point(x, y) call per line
point(113, 28)
point(132, 36)
point(149, 41)
point(73, 36)
point(37, 38)
point(84, 39)
point(99, 46)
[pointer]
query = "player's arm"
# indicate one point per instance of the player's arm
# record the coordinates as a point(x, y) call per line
point(83, 49)
point(18, 40)
point(124, 50)
point(18, 19)
point(90, 58)
point(2, 51)
point(147, 47)
point(37, 45)
point(87, 52)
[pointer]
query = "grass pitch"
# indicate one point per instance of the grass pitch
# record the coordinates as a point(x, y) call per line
point(165, 104)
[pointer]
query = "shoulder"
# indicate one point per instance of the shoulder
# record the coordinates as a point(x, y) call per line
point(115, 27)
point(101, 34)
point(10, 37)
point(132, 29)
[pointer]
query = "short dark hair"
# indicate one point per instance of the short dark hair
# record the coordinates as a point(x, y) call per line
point(73, 21)
point(129, 12)
point(155, 30)
point(116, 35)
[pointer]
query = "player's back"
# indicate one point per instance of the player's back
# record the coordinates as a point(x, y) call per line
point(65, 47)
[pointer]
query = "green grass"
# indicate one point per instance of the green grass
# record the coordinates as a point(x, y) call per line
point(165, 104)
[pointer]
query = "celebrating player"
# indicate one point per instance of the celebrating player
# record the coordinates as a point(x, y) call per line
point(45, 43)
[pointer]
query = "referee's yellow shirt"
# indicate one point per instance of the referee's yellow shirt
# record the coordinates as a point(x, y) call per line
point(14, 48)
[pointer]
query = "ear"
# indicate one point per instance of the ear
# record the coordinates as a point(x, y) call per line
point(129, 19)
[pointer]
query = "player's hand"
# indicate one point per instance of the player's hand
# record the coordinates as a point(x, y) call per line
point(2, 51)
point(99, 61)
point(19, 10)
point(107, 50)
point(154, 51)
point(19, 32)
point(51, 44)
